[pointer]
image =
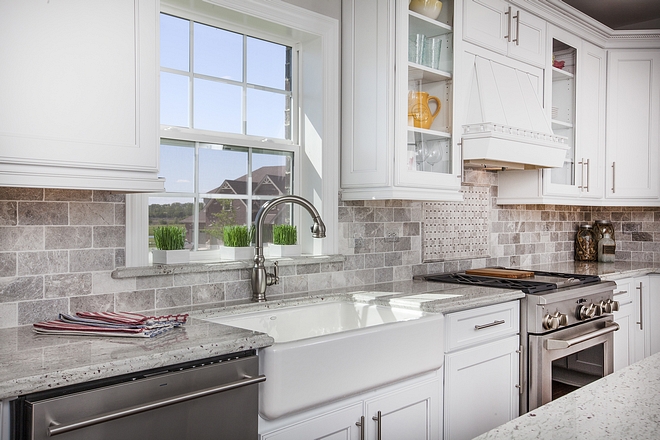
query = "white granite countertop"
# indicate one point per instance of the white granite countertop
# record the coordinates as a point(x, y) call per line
point(30, 362)
point(622, 405)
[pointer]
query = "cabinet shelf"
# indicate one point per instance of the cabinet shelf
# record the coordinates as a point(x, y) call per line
point(427, 26)
point(559, 74)
point(556, 124)
point(426, 74)
point(433, 133)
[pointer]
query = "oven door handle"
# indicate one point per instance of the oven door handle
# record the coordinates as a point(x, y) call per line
point(559, 344)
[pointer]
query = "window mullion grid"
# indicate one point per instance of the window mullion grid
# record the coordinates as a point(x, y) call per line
point(191, 76)
point(244, 85)
point(196, 200)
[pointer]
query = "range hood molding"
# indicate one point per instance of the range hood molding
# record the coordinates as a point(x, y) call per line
point(507, 125)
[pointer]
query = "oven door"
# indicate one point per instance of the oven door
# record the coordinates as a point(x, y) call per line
point(568, 358)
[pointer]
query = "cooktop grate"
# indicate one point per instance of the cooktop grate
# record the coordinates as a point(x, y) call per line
point(527, 286)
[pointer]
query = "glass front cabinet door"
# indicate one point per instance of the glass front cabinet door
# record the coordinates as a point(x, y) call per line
point(399, 138)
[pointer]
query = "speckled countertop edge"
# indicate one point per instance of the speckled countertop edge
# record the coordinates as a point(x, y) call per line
point(30, 362)
point(622, 405)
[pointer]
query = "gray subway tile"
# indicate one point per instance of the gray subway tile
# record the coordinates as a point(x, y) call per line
point(42, 262)
point(68, 237)
point(69, 284)
point(21, 288)
point(43, 213)
point(7, 264)
point(21, 238)
point(109, 236)
point(16, 193)
point(87, 260)
point(208, 293)
point(92, 303)
point(30, 312)
point(8, 214)
point(67, 195)
point(135, 301)
point(173, 297)
point(92, 214)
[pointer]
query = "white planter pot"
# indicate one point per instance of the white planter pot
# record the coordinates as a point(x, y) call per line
point(237, 253)
point(281, 250)
point(181, 256)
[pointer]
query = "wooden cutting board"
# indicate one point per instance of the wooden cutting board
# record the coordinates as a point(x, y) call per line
point(501, 273)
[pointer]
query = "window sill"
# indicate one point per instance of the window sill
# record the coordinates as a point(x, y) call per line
point(169, 269)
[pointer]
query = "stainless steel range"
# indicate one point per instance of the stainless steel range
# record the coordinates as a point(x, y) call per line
point(566, 330)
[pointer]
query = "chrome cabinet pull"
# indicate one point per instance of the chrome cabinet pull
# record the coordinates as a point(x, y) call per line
point(517, 39)
point(492, 324)
point(588, 167)
point(613, 177)
point(56, 428)
point(361, 425)
point(641, 308)
point(520, 369)
point(581, 163)
point(560, 344)
point(508, 35)
point(378, 418)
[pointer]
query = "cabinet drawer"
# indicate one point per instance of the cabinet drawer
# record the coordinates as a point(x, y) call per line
point(624, 290)
point(474, 326)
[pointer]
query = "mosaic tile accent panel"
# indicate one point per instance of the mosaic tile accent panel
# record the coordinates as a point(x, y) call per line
point(457, 230)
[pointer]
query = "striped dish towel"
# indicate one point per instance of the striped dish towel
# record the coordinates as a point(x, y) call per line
point(124, 324)
point(133, 318)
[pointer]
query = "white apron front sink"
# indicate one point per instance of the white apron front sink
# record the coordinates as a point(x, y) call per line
point(327, 351)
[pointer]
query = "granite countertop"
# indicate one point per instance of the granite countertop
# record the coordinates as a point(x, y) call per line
point(30, 362)
point(624, 404)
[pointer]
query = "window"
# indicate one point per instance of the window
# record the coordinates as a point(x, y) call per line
point(275, 132)
point(235, 89)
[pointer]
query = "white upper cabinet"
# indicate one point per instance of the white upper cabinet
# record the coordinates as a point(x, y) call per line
point(633, 126)
point(398, 133)
point(503, 28)
point(575, 85)
point(79, 93)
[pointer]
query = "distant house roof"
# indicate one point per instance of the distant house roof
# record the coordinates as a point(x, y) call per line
point(267, 181)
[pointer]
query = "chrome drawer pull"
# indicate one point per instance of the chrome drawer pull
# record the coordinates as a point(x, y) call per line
point(492, 324)
point(378, 418)
point(559, 344)
point(56, 428)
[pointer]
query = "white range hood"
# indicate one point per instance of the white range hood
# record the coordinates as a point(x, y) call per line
point(507, 125)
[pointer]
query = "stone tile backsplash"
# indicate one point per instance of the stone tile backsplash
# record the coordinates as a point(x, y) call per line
point(58, 249)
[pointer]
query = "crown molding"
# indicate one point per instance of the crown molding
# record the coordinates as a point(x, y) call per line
point(567, 17)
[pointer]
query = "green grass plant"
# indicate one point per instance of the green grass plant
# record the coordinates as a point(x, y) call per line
point(285, 234)
point(169, 238)
point(237, 236)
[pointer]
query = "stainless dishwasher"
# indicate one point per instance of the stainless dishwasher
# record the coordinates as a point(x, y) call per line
point(216, 398)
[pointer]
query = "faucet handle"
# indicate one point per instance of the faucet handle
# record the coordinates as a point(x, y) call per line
point(273, 277)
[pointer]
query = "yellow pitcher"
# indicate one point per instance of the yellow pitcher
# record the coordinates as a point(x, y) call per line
point(419, 112)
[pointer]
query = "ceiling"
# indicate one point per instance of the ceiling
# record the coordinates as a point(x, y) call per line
point(621, 14)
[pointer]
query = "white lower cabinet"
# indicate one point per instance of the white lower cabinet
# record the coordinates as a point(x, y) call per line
point(407, 410)
point(482, 370)
point(638, 335)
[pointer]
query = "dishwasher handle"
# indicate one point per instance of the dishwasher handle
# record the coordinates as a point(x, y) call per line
point(56, 428)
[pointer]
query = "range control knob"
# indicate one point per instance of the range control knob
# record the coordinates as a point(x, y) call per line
point(550, 322)
point(609, 306)
point(588, 312)
point(554, 321)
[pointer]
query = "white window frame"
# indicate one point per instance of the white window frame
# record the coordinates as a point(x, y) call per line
point(317, 164)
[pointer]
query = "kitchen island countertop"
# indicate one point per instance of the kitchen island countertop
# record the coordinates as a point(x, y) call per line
point(622, 405)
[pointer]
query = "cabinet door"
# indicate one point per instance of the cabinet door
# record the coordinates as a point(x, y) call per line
point(590, 120)
point(412, 413)
point(336, 425)
point(497, 26)
point(623, 348)
point(641, 341)
point(480, 388)
point(633, 132)
point(367, 93)
point(79, 93)
point(654, 313)
point(529, 38)
point(486, 23)
point(578, 114)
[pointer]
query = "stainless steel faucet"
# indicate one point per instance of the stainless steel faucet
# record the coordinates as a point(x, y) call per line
point(260, 278)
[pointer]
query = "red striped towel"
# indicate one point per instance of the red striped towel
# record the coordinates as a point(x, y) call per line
point(132, 318)
point(111, 324)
